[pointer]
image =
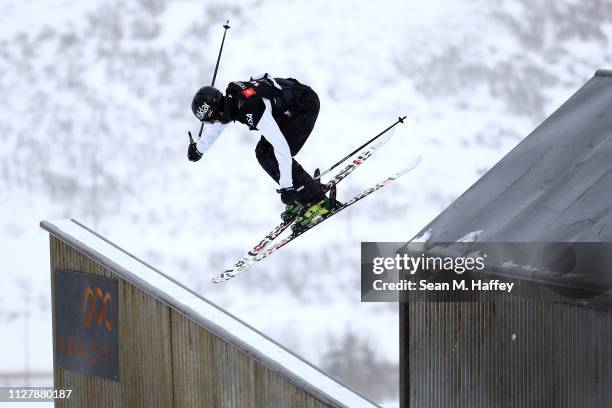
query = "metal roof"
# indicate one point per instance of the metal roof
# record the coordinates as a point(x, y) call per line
point(556, 185)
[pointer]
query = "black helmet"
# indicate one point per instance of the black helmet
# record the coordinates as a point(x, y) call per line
point(207, 103)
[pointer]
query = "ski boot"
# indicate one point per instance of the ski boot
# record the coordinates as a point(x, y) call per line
point(292, 210)
point(293, 207)
point(320, 209)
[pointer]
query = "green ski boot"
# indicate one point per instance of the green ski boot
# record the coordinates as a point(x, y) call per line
point(320, 209)
point(292, 210)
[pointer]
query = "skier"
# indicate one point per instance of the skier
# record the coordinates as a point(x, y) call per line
point(284, 111)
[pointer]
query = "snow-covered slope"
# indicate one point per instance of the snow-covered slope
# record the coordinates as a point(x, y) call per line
point(95, 109)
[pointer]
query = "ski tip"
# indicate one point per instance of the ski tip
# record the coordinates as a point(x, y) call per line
point(410, 167)
point(417, 160)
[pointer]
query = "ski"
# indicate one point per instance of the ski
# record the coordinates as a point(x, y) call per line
point(363, 156)
point(242, 265)
point(390, 130)
point(250, 258)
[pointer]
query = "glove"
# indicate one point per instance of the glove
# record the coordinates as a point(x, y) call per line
point(288, 195)
point(193, 154)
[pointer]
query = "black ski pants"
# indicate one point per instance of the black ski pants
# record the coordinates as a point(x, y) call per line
point(296, 130)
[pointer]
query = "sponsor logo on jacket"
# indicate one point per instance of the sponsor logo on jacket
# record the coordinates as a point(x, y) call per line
point(249, 92)
point(240, 85)
point(249, 119)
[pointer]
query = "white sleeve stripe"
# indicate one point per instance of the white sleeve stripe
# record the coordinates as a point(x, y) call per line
point(210, 135)
point(275, 83)
point(270, 130)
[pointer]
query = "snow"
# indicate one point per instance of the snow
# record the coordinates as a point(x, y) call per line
point(200, 310)
point(423, 237)
point(470, 236)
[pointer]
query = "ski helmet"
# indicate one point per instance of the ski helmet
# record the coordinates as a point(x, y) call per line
point(207, 103)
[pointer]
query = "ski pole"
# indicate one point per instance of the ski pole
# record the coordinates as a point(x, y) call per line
point(226, 27)
point(321, 174)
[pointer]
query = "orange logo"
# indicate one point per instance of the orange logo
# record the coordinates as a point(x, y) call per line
point(249, 92)
point(88, 315)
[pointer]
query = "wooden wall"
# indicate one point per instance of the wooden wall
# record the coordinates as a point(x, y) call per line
point(167, 360)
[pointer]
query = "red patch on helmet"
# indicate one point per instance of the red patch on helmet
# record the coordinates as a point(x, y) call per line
point(249, 92)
